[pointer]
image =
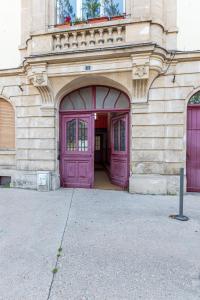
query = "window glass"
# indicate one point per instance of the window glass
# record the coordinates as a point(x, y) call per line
point(97, 143)
point(111, 99)
point(86, 95)
point(83, 136)
point(66, 8)
point(122, 136)
point(77, 101)
point(71, 135)
point(66, 104)
point(84, 9)
point(123, 101)
point(98, 97)
point(101, 95)
point(116, 136)
point(114, 7)
point(195, 99)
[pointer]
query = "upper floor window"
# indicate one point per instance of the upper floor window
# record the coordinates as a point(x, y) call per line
point(84, 9)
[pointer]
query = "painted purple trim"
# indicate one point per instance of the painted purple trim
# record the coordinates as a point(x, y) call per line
point(94, 110)
point(193, 105)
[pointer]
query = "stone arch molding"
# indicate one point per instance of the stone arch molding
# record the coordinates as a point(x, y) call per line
point(83, 81)
point(39, 78)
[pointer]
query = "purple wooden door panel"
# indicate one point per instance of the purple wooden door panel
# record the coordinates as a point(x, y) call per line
point(77, 159)
point(193, 148)
point(119, 150)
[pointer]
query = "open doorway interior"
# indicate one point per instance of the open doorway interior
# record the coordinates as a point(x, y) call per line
point(102, 152)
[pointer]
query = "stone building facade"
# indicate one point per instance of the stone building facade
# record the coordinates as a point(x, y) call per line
point(135, 55)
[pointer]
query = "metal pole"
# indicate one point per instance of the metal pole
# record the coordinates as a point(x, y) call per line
point(181, 217)
point(181, 194)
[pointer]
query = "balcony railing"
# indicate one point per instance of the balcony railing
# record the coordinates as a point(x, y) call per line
point(89, 37)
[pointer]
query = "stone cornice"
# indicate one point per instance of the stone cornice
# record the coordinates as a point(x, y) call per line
point(12, 71)
point(187, 56)
point(124, 50)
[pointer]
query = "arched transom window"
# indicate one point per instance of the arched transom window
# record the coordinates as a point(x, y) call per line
point(195, 99)
point(7, 125)
point(95, 98)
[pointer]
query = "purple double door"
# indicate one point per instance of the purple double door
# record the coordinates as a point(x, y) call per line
point(77, 150)
point(193, 148)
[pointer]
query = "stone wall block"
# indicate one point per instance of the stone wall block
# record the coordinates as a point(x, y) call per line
point(35, 165)
point(35, 154)
point(48, 144)
point(148, 156)
point(35, 133)
point(36, 122)
point(158, 119)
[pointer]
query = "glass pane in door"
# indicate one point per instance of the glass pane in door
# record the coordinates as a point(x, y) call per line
point(83, 136)
point(116, 136)
point(122, 136)
point(71, 135)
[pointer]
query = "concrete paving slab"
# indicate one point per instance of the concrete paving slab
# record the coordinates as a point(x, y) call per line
point(31, 226)
point(122, 246)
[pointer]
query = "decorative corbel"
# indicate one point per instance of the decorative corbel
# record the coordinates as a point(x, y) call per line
point(144, 71)
point(39, 78)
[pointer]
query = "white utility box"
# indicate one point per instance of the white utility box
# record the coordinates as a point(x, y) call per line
point(43, 181)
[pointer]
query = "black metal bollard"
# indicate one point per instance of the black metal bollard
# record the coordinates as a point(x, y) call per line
point(180, 216)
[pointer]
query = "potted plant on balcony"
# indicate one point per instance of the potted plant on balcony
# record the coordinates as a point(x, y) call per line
point(92, 11)
point(112, 10)
point(65, 14)
point(79, 21)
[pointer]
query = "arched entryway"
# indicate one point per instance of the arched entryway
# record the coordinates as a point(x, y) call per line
point(94, 132)
point(193, 144)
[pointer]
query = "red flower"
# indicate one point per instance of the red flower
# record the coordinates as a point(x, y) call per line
point(68, 19)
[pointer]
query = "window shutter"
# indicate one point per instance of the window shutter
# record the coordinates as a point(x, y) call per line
point(7, 125)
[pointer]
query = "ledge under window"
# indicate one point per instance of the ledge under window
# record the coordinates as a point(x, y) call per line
point(7, 151)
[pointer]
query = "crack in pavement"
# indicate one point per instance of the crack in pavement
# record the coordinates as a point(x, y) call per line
point(61, 243)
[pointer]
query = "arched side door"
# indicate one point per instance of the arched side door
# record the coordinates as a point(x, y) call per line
point(77, 156)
